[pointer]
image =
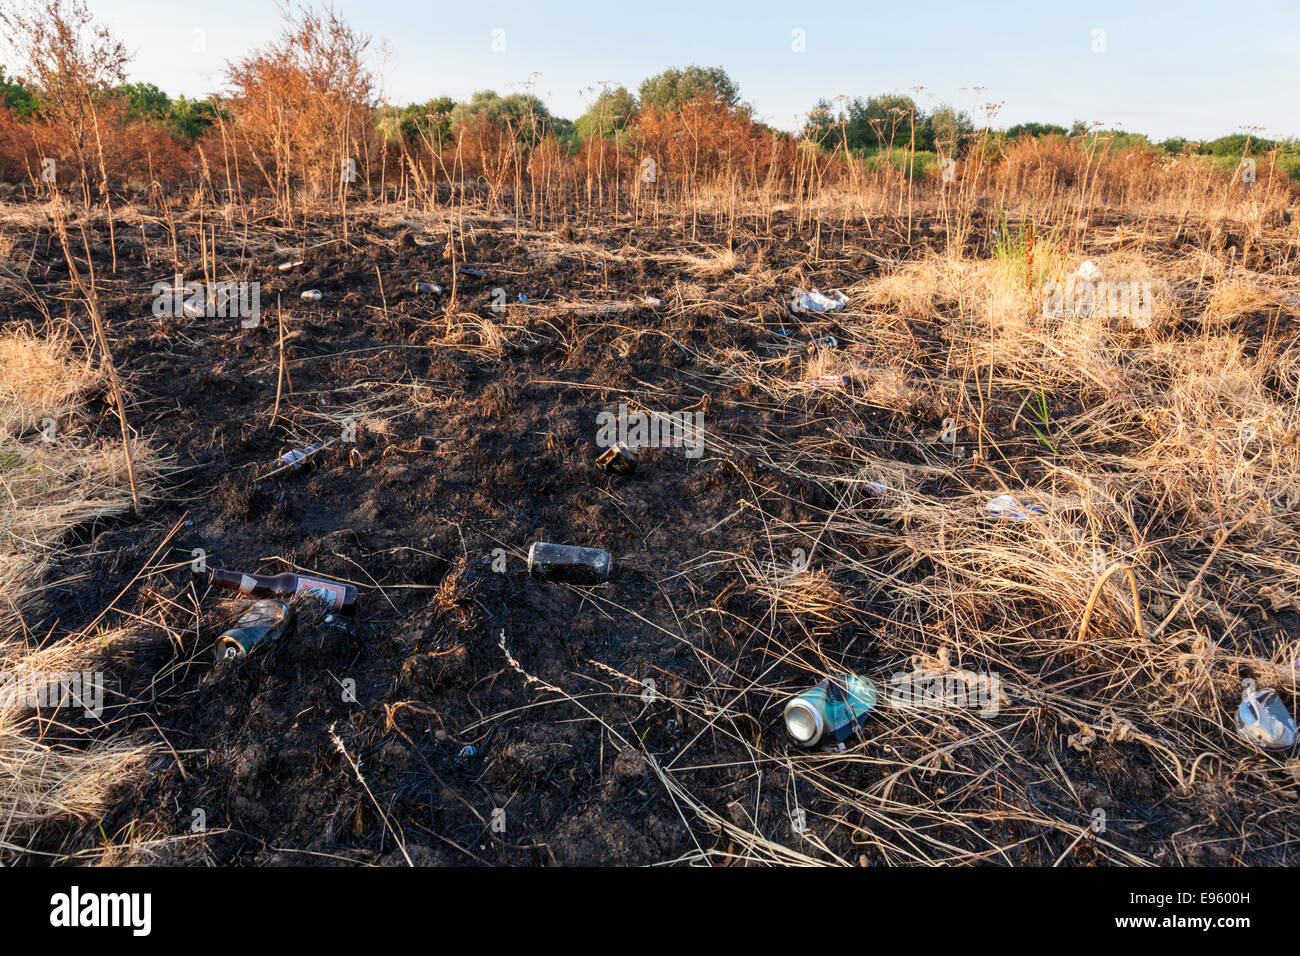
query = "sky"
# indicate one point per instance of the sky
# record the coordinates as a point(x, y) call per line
point(1198, 68)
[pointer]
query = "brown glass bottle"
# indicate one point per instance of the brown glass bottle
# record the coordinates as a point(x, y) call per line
point(340, 597)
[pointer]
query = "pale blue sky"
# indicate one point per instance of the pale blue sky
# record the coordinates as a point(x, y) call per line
point(1200, 68)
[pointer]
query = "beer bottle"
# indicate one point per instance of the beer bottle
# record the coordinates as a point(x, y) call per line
point(339, 597)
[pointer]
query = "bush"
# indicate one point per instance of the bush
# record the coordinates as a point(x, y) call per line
point(304, 104)
point(16, 96)
point(672, 89)
point(610, 116)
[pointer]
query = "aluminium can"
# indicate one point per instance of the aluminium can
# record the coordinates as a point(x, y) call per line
point(830, 712)
point(573, 565)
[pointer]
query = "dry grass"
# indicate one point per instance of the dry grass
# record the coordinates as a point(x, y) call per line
point(54, 766)
point(1167, 464)
point(39, 378)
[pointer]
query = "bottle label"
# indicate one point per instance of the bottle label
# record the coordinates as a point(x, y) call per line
point(246, 583)
point(332, 594)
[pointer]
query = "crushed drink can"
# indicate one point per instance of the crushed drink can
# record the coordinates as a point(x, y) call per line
point(1263, 720)
point(1006, 506)
point(290, 265)
point(297, 457)
point(878, 488)
point(431, 288)
point(310, 295)
point(833, 381)
point(262, 622)
point(653, 302)
point(832, 711)
point(574, 565)
point(476, 273)
point(825, 342)
point(618, 460)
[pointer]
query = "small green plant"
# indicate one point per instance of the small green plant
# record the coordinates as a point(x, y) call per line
point(1037, 405)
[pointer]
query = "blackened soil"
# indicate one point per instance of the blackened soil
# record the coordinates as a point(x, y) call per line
point(445, 458)
point(493, 717)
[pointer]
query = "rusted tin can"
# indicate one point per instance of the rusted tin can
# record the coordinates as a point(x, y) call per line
point(573, 565)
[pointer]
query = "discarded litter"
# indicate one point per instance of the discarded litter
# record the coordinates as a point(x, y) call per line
point(431, 288)
point(1088, 270)
point(311, 295)
point(825, 342)
point(466, 752)
point(618, 460)
point(878, 488)
point(262, 622)
point(653, 302)
point(340, 597)
point(836, 380)
point(1263, 720)
point(833, 710)
point(817, 302)
point(563, 562)
point(297, 457)
point(476, 273)
point(336, 622)
point(522, 297)
point(1005, 506)
point(291, 264)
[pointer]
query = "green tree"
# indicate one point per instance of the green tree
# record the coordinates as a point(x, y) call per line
point(1235, 145)
point(1118, 140)
point(947, 129)
point(821, 123)
point(879, 120)
point(523, 112)
point(16, 96)
point(1035, 129)
point(417, 122)
point(146, 101)
point(612, 112)
point(190, 119)
point(668, 90)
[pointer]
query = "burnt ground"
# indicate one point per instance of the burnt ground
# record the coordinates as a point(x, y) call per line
point(459, 450)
